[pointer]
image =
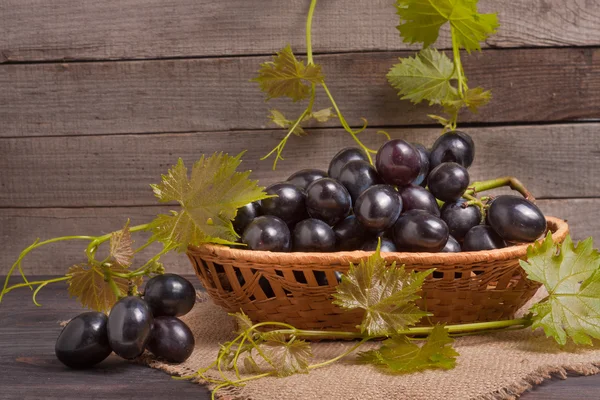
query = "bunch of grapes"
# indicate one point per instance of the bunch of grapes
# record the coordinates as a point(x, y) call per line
point(133, 325)
point(411, 200)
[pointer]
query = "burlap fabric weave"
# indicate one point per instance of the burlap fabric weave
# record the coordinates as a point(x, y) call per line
point(492, 366)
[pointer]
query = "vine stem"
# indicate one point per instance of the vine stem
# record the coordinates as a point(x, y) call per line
point(510, 181)
point(309, 18)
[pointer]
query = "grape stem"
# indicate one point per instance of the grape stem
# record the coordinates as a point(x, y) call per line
point(510, 181)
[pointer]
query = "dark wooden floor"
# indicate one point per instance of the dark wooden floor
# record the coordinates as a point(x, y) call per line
point(29, 369)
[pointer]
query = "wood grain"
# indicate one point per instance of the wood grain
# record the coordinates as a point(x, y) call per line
point(133, 29)
point(20, 227)
point(553, 161)
point(31, 371)
point(217, 95)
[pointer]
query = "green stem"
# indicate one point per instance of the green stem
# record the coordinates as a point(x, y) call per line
point(112, 285)
point(309, 19)
point(30, 284)
point(344, 354)
point(510, 181)
point(458, 68)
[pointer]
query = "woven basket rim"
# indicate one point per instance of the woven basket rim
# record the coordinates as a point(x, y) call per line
point(559, 227)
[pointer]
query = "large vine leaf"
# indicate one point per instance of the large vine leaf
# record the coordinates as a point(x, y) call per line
point(427, 76)
point(399, 354)
point(209, 199)
point(88, 285)
point(286, 76)
point(571, 274)
point(421, 20)
point(385, 293)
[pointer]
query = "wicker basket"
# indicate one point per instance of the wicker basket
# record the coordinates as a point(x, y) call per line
point(296, 288)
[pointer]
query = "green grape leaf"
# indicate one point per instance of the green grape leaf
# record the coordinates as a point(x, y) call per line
point(385, 293)
point(209, 199)
point(473, 99)
point(242, 321)
point(323, 115)
point(286, 357)
point(286, 76)
point(571, 274)
point(280, 120)
point(88, 285)
point(421, 20)
point(121, 250)
point(427, 76)
point(400, 355)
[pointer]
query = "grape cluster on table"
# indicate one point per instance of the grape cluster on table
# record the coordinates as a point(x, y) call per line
point(411, 200)
point(134, 324)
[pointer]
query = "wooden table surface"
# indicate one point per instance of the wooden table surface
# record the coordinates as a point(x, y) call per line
point(29, 369)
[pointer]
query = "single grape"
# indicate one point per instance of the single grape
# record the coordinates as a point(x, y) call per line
point(349, 234)
point(448, 181)
point(417, 230)
point(170, 295)
point(460, 219)
point(357, 176)
point(245, 215)
point(424, 171)
point(342, 158)
point(417, 198)
point(516, 219)
point(313, 235)
point(171, 339)
point(83, 343)
point(289, 203)
point(452, 246)
point(453, 146)
point(386, 245)
point(328, 200)
point(129, 324)
point(305, 177)
point(482, 237)
point(398, 162)
point(267, 233)
point(378, 207)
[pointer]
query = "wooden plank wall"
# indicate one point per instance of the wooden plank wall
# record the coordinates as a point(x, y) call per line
point(98, 98)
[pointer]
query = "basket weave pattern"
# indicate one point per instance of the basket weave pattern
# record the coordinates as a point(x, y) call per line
point(296, 288)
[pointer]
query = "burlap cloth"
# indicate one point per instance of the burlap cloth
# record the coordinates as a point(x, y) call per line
point(492, 366)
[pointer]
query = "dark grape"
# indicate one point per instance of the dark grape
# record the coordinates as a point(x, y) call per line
point(305, 177)
point(448, 181)
point(357, 176)
point(83, 343)
point(455, 147)
point(516, 219)
point(267, 233)
point(460, 219)
point(342, 158)
point(245, 215)
point(424, 154)
point(378, 207)
point(386, 245)
point(417, 230)
point(398, 162)
point(171, 339)
point(417, 198)
point(129, 325)
point(328, 200)
point(289, 205)
point(452, 246)
point(482, 237)
point(170, 295)
point(313, 235)
point(349, 234)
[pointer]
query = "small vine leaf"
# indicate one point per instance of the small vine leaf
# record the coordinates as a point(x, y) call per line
point(399, 354)
point(121, 250)
point(88, 285)
point(242, 321)
point(323, 115)
point(285, 76)
point(286, 357)
point(250, 365)
point(280, 120)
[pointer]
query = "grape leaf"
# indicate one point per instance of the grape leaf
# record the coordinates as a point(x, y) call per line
point(421, 20)
point(427, 76)
point(280, 120)
point(473, 99)
point(399, 354)
point(571, 274)
point(121, 250)
point(209, 199)
point(323, 115)
point(286, 76)
point(88, 285)
point(242, 321)
point(386, 293)
point(286, 357)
